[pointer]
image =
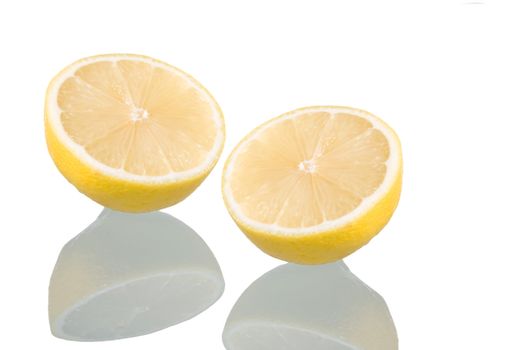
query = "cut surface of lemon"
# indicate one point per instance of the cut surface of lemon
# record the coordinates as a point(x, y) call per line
point(131, 132)
point(315, 184)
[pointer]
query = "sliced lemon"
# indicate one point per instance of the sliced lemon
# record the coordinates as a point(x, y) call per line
point(315, 184)
point(131, 132)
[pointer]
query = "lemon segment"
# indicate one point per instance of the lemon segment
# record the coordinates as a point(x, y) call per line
point(131, 132)
point(314, 184)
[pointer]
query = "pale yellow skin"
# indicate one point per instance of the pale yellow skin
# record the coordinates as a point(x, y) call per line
point(117, 193)
point(327, 246)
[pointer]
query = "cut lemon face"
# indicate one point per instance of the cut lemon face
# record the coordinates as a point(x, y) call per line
point(131, 132)
point(314, 184)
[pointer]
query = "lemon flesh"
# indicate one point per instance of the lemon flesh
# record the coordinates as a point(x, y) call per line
point(315, 184)
point(131, 132)
point(131, 274)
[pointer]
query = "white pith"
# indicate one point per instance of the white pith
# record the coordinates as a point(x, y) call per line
point(393, 165)
point(53, 114)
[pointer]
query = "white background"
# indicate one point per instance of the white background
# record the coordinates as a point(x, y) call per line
point(449, 78)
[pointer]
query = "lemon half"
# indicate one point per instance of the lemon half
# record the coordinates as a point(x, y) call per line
point(131, 132)
point(315, 184)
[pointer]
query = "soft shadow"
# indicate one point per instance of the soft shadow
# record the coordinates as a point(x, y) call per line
point(131, 274)
point(296, 307)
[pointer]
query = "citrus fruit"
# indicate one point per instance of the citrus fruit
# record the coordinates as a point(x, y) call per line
point(131, 132)
point(131, 274)
point(315, 184)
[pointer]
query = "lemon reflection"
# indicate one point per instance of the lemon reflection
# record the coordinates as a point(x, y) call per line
point(130, 274)
point(304, 307)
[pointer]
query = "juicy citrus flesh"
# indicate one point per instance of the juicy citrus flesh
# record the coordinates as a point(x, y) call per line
point(309, 169)
point(125, 111)
point(310, 172)
point(134, 119)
